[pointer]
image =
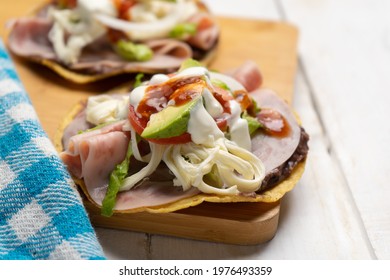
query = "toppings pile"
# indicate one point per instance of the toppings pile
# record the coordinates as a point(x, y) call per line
point(198, 124)
point(127, 23)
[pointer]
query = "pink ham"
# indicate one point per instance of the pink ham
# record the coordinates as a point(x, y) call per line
point(248, 74)
point(28, 38)
point(93, 155)
point(78, 124)
point(100, 155)
point(152, 194)
point(274, 151)
point(170, 47)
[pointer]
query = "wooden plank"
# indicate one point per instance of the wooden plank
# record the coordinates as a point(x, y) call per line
point(237, 223)
point(345, 52)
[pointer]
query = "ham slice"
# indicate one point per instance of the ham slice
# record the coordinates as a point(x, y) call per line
point(93, 155)
point(78, 124)
point(274, 151)
point(248, 74)
point(152, 193)
point(28, 38)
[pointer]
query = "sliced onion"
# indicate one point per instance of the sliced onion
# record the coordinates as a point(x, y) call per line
point(145, 30)
point(232, 83)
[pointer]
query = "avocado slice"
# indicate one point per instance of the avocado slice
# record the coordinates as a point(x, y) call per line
point(189, 63)
point(171, 121)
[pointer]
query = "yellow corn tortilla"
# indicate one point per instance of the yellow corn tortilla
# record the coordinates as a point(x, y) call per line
point(80, 78)
point(268, 196)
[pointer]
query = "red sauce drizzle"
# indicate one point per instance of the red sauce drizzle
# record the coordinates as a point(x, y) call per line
point(243, 99)
point(187, 92)
point(223, 97)
point(275, 124)
point(179, 91)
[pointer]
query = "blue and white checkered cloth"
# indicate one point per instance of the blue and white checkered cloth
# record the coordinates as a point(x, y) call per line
point(41, 214)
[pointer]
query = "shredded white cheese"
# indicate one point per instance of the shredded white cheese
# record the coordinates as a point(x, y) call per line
point(238, 169)
point(156, 156)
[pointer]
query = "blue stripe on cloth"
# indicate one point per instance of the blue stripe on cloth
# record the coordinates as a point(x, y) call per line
point(11, 74)
point(18, 131)
point(38, 176)
point(41, 213)
point(20, 254)
point(76, 226)
point(10, 100)
point(8, 240)
point(48, 240)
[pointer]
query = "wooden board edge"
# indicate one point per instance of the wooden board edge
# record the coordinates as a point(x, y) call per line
point(243, 228)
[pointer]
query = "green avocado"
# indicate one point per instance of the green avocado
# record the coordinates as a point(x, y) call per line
point(171, 121)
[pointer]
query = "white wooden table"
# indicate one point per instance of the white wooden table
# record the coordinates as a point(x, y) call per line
point(340, 209)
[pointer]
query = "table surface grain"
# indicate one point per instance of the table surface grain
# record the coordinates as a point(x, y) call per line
point(340, 208)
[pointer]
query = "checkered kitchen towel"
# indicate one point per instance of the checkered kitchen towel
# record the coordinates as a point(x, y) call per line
point(41, 215)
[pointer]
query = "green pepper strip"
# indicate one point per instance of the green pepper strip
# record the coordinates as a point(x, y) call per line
point(116, 179)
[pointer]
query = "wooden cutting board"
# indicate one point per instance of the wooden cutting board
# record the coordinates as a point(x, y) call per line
point(272, 45)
